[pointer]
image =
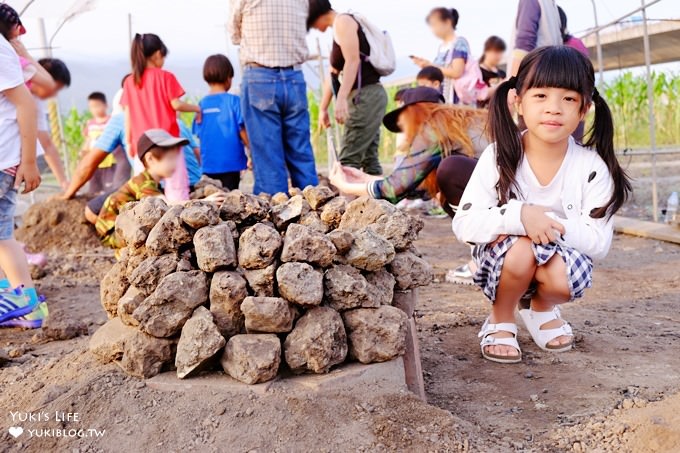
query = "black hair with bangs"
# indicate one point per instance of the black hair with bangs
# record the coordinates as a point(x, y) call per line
point(555, 67)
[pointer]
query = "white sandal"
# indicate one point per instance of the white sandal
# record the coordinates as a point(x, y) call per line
point(533, 320)
point(486, 333)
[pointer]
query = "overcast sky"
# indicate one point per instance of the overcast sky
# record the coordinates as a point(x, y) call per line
point(195, 29)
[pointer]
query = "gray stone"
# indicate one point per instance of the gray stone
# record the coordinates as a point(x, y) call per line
point(302, 244)
point(381, 286)
point(199, 342)
point(312, 220)
point(376, 335)
point(364, 211)
point(252, 358)
point(300, 283)
point(214, 248)
point(268, 314)
point(62, 325)
point(342, 240)
point(144, 356)
point(113, 287)
point(135, 221)
point(243, 208)
point(369, 251)
point(227, 292)
point(163, 313)
point(278, 198)
point(346, 288)
point(150, 271)
point(317, 342)
point(258, 247)
point(399, 228)
point(134, 259)
point(127, 304)
point(410, 271)
point(108, 342)
point(262, 282)
point(286, 213)
point(206, 180)
point(317, 196)
point(169, 233)
point(198, 214)
point(332, 211)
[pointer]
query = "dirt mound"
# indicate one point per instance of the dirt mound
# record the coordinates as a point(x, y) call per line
point(58, 225)
point(635, 426)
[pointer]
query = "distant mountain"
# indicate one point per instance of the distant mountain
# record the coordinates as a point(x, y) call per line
point(106, 77)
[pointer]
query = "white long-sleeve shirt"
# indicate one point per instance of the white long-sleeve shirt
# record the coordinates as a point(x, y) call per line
point(582, 184)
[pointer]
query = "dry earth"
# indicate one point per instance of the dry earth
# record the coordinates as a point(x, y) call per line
point(618, 391)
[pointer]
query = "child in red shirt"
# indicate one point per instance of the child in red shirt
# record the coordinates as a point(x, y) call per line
point(151, 98)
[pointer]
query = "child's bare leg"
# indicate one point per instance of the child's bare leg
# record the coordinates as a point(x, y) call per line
point(90, 216)
point(553, 289)
point(14, 265)
point(517, 274)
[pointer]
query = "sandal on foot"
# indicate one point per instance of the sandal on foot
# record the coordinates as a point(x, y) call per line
point(533, 320)
point(486, 334)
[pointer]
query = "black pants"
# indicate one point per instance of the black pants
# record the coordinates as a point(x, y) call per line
point(453, 175)
point(230, 180)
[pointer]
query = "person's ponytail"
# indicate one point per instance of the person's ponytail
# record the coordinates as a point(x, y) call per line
point(507, 138)
point(138, 58)
point(602, 139)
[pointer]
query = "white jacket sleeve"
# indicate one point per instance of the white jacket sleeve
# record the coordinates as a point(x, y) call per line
point(584, 233)
point(479, 219)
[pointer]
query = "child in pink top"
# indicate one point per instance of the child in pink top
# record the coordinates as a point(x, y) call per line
point(151, 98)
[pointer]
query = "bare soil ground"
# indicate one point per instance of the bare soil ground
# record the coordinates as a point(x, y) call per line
point(619, 391)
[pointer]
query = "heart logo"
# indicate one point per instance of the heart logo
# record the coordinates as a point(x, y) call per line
point(16, 431)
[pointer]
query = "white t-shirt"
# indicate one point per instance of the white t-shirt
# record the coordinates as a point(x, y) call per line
point(11, 76)
point(549, 195)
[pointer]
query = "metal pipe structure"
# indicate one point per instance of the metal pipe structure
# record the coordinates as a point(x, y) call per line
point(652, 119)
point(600, 60)
point(616, 21)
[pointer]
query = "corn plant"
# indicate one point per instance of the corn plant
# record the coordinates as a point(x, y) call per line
point(74, 125)
point(627, 98)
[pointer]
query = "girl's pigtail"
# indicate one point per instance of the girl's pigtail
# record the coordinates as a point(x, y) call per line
point(138, 58)
point(602, 139)
point(507, 138)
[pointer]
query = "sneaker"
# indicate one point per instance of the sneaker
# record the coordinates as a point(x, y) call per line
point(437, 213)
point(462, 275)
point(33, 320)
point(14, 303)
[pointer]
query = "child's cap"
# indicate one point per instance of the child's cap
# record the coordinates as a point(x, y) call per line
point(157, 138)
point(409, 97)
point(10, 16)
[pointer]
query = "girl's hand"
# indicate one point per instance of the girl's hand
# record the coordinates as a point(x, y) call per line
point(20, 49)
point(29, 175)
point(540, 228)
point(341, 110)
point(421, 62)
point(324, 119)
point(217, 197)
point(355, 175)
point(338, 177)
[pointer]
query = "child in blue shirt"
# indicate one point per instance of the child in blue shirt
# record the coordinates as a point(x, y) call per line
point(221, 131)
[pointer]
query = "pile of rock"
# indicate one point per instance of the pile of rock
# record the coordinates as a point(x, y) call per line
point(256, 283)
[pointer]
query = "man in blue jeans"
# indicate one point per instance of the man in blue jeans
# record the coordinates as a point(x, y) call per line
point(272, 36)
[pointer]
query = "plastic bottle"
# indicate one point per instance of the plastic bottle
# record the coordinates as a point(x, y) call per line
point(672, 208)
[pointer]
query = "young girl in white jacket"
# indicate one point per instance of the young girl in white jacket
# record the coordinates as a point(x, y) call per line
point(538, 206)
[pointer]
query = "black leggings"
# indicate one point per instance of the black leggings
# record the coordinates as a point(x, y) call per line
point(453, 175)
point(230, 180)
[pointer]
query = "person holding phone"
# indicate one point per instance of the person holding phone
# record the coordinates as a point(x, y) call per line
point(453, 52)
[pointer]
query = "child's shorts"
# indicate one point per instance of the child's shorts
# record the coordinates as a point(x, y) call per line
point(489, 261)
point(8, 204)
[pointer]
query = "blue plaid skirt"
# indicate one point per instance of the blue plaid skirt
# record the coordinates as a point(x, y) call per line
point(489, 261)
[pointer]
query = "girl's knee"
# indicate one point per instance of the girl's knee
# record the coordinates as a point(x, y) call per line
point(520, 260)
point(553, 280)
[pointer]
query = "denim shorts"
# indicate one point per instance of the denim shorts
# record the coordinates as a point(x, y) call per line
point(8, 204)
